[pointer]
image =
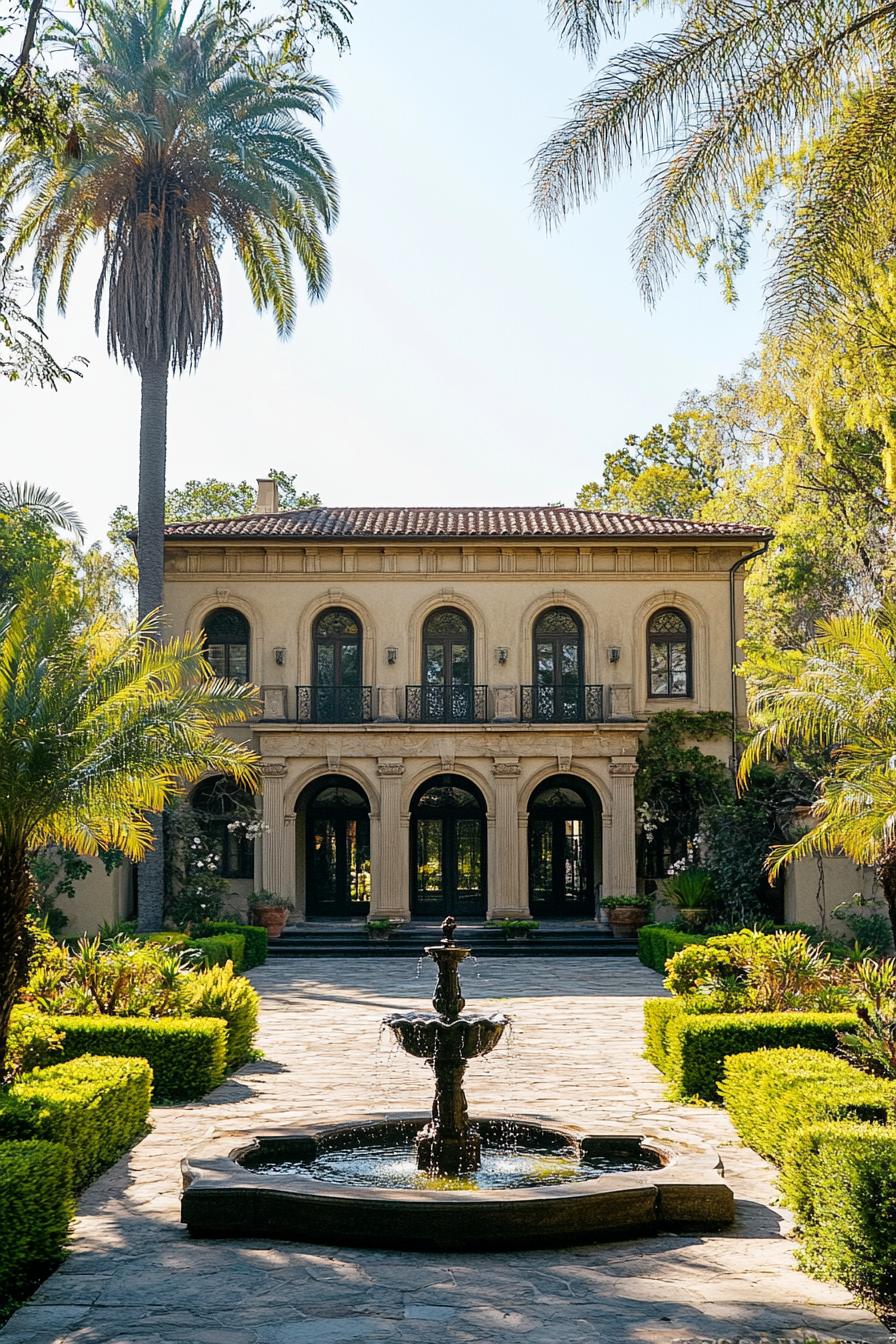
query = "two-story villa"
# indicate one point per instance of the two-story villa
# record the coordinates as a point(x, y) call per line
point(453, 697)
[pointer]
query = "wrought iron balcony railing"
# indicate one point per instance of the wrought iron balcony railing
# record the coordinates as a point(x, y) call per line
point(562, 704)
point(446, 704)
point(334, 704)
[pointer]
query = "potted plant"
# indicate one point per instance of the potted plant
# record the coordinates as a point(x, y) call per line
point(269, 910)
point(692, 895)
point(380, 930)
point(627, 913)
point(517, 930)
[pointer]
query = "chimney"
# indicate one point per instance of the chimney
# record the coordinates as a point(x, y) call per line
point(268, 498)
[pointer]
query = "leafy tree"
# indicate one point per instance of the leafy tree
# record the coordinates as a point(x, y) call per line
point(740, 104)
point(211, 498)
point(98, 728)
point(190, 132)
point(669, 473)
point(838, 696)
point(28, 516)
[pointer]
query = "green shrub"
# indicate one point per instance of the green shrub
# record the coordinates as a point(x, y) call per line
point(774, 1096)
point(126, 977)
point(848, 1215)
point(256, 939)
point(221, 948)
point(697, 1044)
point(95, 1106)
point(658, 1014)
point(36, 1207)
point(186, 1054)
point(32, 1042)
point(658, 942)
point(217, 992)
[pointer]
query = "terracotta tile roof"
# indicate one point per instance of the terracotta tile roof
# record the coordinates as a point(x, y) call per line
point(454, 524)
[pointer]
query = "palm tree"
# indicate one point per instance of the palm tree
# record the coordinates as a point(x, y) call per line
point(98, 728)
point(838, 695)
point(190, 133)
point(744, 97)
point(44, 504)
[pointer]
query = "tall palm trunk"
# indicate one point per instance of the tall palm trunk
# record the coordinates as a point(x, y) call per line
point(886, 870)
point(15, 896)
point(150, 588)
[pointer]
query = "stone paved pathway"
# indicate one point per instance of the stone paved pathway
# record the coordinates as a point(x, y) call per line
point(134, 1277)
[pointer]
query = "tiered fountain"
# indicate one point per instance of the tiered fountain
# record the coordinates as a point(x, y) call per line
point(443, 1179)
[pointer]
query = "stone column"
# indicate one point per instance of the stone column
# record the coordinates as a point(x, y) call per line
point(389, 896)
point(622, 879)
point(273, 839)
point(505, 899)
point(288, 869)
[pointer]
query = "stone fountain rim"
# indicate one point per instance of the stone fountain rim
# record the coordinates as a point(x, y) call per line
point(206, 1169)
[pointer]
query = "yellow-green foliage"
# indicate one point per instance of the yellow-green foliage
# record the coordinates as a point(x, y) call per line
point(187, 1054)
point(217, 992)
point(657, 943)
point(36, 1206)
point(96, 1107)
point(32, 1042)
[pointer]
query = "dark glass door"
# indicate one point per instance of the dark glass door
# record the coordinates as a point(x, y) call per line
point(447, 668)
point(337, 668)
point(448, 853)
point(558, 681)
point(560, 859)
point(337, 871)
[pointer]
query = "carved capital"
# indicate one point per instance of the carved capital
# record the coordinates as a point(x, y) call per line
point(505, 769)
point(289, 819)
point(388, 769)
point(272, 769)
point(626, 767)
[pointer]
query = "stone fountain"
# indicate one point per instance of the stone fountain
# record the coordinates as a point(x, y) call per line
point(447, 1039)
point(444, 1179)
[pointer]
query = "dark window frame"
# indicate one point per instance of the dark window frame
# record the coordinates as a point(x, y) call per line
point(228, 644)
point(236, 849)
point(336, 642)
point(667, 639)
point(557, 640)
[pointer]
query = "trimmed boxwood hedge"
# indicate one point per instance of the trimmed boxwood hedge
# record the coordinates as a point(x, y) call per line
point(221, 948)
point(658, 942)
point(95, 1106)
point(186, 1054)
point(36, 1207)
point(848, 1209)
point(774, 1097)
point(697, 1044)
point(254, 937)
point(217, 992)
point(658, 1015)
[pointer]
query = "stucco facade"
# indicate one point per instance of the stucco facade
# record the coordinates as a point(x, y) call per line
point(608, 578)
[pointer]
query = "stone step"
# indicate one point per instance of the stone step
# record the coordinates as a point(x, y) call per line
point(484, 943)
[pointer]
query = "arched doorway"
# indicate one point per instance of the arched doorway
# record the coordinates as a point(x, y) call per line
point(564, 816)
point(448, 862)
point(337, 848)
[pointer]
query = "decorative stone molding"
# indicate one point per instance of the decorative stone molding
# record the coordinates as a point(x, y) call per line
point(621, 702)
point(564, 759)
point(624, 767)
point(387, 767)
point(506, 767)
point(272, 769)
point(334, 758)
point(505, 704)
point(447, 757)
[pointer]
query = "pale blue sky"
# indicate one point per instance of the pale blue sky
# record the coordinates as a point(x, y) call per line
point(462, 355)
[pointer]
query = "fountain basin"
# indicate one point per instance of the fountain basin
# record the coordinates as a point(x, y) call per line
point(261, 1188)
point(424, 1035)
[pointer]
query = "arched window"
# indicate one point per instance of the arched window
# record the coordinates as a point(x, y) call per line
point(447, 667)
point(669, 654)
point(557, 660)
point(227, 643)
point(223, 811)
point(337, 667)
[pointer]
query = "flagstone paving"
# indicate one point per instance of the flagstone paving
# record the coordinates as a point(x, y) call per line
point(134, 1277)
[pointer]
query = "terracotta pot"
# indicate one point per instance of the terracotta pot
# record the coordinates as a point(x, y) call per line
point(694, 916)
point(625, 920)
point(270, 917)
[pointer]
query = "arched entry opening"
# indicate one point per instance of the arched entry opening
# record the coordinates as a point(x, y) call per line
point(564, 848)
point(336, 816)
point(448, 859)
